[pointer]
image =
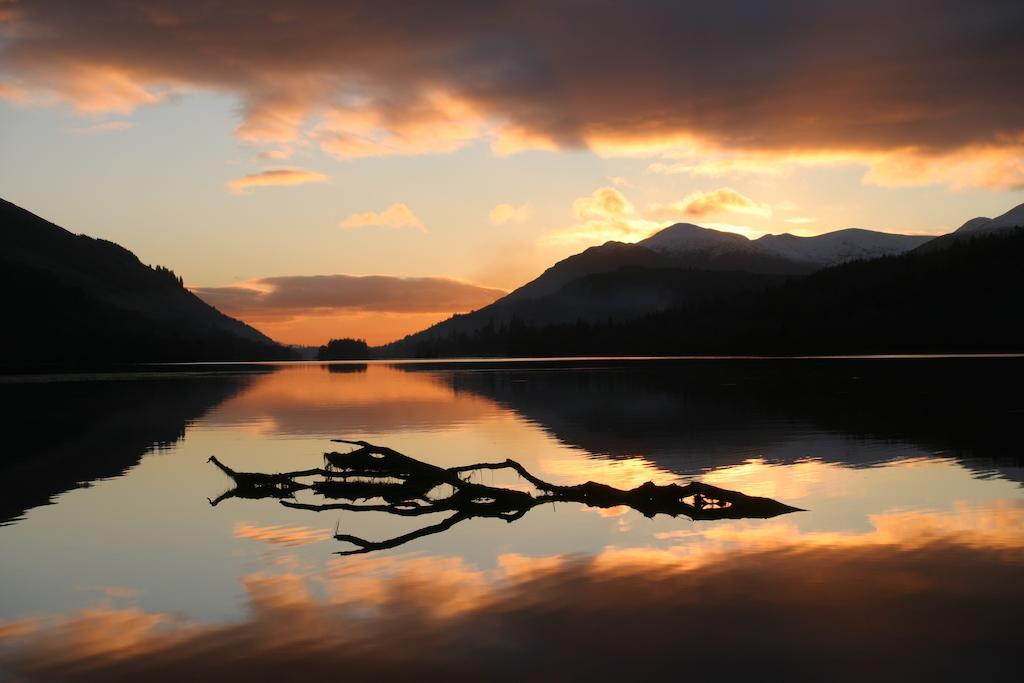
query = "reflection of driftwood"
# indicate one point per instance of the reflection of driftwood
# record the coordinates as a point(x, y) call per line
point(410, 488)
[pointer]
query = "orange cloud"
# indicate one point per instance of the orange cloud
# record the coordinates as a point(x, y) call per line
point(104, 90)
point(311, 309)
point(395, 216)
point(284, 176)
point(284, 296)
point(507, 213)
point(607, 214)
point(699, 204)
point(363, 80)
point(604, 215)
point(279, 154)
point(434, 122)
point(103, 127)
point(603, 203)
point(993, 167)
point(716, 168)
point(13, 93)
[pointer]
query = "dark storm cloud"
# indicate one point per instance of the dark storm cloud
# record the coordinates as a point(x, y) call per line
point(799, 75)
point(297, 295)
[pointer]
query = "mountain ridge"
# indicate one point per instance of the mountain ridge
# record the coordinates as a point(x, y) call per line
point(755, 264)
point(74, 300)
point(960, 299)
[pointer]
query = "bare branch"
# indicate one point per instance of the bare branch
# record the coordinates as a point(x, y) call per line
point(403, 484)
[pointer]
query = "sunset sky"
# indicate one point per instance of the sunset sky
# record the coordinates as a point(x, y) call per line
point(271, 152)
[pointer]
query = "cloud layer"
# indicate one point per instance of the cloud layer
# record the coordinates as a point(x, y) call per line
point(919, 91)
point(700, 204)
point(284, 176)
point(395, 216)
point(607, 214)
point(507, 213)
point(288, 297)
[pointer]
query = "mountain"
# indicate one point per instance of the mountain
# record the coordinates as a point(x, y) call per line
point(681, 265)
point(691, 246)
point(71, 300)
point(619, 295)
point(688, 246)
point(786, 253)
point(841, 246)
point(973, 226)
point(605, 258)
point(963, 298)
point(1014, 218)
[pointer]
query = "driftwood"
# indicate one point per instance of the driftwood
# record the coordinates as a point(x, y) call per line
point(411, 488)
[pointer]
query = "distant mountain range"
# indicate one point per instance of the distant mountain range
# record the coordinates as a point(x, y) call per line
point(789, 254)
point(71, 300)
point(74, 301)
point(685, 268)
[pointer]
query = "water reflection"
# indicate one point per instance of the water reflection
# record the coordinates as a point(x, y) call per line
point(65, 434)
point(326, 400)
point(842, 608)
point(690, 416)
point(907, 564)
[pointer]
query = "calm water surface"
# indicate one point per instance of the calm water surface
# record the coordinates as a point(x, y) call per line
point(906, 563)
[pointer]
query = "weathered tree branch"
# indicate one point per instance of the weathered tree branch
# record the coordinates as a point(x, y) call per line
point(412, 488)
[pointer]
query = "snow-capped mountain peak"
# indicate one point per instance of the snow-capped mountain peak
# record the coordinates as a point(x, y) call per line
point(1014, 218)
point(822, 250)
point(974, 225)
point(684, 238)
point(839, 246)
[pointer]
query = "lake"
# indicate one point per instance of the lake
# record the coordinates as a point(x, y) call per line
point(904, 562)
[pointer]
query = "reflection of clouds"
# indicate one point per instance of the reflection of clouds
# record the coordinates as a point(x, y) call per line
point(289, 536)
point(113, 592)
point(434, 586)
point(625, 474)
point(311, 400)
point(934, 594)
point(757, 477)
point(999, 526)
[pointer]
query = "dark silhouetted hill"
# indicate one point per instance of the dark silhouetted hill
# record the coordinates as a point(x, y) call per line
point(681, 265)
point(964, 297)
point(75, 301)
point(978, 227)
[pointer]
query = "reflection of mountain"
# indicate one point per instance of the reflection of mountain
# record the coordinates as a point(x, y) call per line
point(60, 435)
point(688, 416)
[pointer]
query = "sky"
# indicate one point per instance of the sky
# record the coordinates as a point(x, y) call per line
point(275, 154)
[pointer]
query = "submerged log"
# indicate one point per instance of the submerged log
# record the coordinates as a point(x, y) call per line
point(410, 488)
